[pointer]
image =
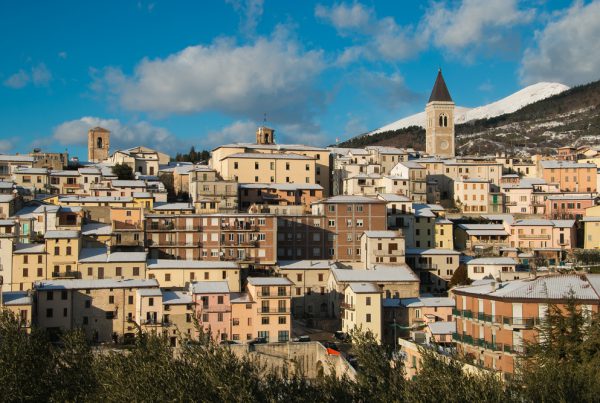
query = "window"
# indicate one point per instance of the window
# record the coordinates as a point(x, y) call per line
point(136, 271)
point(119, 271)
point(49, 296)
point(111, 299)
point(220, 300)
point(56, 251)
point(220, 317)
point(25, 272)
point(49, 313)
point(264, 320)
point(64, 295)
point(283, 336)
point(282, 320)
point(130, 300)
point(368, 300)
point(68, 250)
point(235, 165)
point(332, 223)
point(40, 259)
point(87, 303)
point(25, 259)
point(167, 276)
point(368, 318)
point(299, 277)
point(40, 272)
point(150, 301)
point(65, 312)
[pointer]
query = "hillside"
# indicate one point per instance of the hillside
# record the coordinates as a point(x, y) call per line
point(571, 117)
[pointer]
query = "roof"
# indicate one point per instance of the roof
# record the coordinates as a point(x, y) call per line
point(411, 164)
point(16, 158)
point(421, 302)
point(239, 298)
point(128, 183)
point(440, 92)
point(380, 274)
point(493, 261)
point(55, 234)
point(260, 281)
point(431, 251)
point(392, 197)
point(583, 287)
point(276, 147)
point(543, 222)
point(189, 264)
point(176, 298)
point(27, 248)
point(552, 164)
point(364, 288)
point(281, 186)
point(442, 327)
point(383, 234)
point(304, 264)
point(31, 171)
point(6, 198)
point(269, 156)
point(350, 199)
point(16, 298)
point(150, 292)
point(209, 287)
point(172, 206)
point(94, 199)
point(100, 255)
point(580, 196)
point(96, 229)
point(48, 285)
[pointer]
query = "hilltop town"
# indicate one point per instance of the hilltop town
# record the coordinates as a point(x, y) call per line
point(268, 243)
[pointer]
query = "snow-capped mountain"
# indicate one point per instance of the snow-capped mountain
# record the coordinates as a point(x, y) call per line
point(509, 104)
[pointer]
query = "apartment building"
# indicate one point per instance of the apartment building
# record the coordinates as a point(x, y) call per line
point(495, 319)
point(178, 274)
point(347, 217)
point(34, 179)
point(361, 309)
point(301, 237)
point(569, 206)
point(10, 163)
point(416, 174)
point(20, 304)
point(542, 234)
point(28, 265)
point(104, 309)
point(102, 263)
point(381, 247)
point(481, 236)
point(143, 160)
point(212, 304)
point(309, 289)
point(591, 223)
point(248, 238)
point(472, 195)
point(495, 268)
point(212, 194)
point(434, 267)
point(387, 157)
point(62, 252)
point(570, 176)
point(397, 281)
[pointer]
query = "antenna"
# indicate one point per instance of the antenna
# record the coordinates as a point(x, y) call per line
point(265, 118)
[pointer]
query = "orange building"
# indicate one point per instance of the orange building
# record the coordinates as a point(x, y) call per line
point(570, 176)
point(495, 319)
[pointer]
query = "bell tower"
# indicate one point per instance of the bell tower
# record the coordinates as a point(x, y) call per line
point(439, 123)
point(265, 135)
point(98, 144)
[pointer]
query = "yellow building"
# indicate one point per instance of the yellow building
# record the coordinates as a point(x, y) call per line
point(362, 309)
point(28, 265)
point(20, 304)
point(100, 263)
point(62, 249)
point(179, 273)
point(591, 223)
point(444, 233)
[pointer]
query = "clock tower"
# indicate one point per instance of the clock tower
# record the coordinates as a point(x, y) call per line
point(439, 123)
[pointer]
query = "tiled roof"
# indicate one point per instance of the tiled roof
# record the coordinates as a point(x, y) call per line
point(47, 285)
point(440, 92)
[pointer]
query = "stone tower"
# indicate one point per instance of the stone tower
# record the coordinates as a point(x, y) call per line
point(98, 144)
point(439, 124)
point(264, 135)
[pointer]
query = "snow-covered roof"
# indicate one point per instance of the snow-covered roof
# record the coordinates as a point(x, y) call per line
point(189, 264)
point(382, 234)
point(209, 287)
point(128, 183)
point(392, 197)
point(493, 261)
point(172, 206)
point(100, 255)
point(431, 251)
point(13, 298)
point(56, 234)
point(554, 164)
point(77, 284)
point(397, 273)
point(350, 199)
point(264, 281)
point(305, 264)
point(176, 298)
point(270, 156)
point(27, 248)
point(96, 229)
point(442, 327)
point(364, 288)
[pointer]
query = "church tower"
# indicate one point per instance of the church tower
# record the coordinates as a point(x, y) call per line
point(439, 124)
point(264, 135)
point(98, 144)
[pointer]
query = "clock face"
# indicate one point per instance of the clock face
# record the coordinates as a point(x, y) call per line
point(444, 145)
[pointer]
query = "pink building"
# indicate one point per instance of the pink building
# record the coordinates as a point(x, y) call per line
point(545, 237)
point(213, 307)
point(568, 205)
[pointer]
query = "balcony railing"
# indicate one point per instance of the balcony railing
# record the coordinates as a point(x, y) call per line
point(239, 227)
point(534, 236)
point(345, 305)
point(425, 266)
point(526, 323)
point(281, 310)
point(216, 308)
point(274, 294)
point(67, 274)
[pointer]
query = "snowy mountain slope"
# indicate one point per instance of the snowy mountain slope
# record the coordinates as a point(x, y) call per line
point(509, 104)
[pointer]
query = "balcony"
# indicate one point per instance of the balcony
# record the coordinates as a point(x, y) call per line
point(239, 227)
point(345, 305)
point(151, 322)
point(66, 275)
point(216, 308)
point(278, 310)
point(162, 227)
point(522, 323)
point(389, 253)
point(276, 294)
point(426, 266)
point(535, 236)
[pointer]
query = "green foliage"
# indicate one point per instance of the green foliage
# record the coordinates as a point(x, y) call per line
point(460, 277)
point(123, 171)
point(587, 256)
point(193, 156)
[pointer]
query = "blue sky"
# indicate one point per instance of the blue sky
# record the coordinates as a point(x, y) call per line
point(171, 74)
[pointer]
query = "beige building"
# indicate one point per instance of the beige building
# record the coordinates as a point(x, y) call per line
point(591, 223)
point(435, 267)
point(496, 268)
point(287, 163)
point(210, 193)
point(416, 175)
point(362, 309)
point(142, 160)
point(101, 263)
point(381, 247)
point(105, 309)
point(28, 265)
point(309, 289)
point(62, 249)
point(20, 304)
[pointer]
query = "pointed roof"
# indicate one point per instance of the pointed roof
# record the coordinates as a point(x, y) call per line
point(440, 91)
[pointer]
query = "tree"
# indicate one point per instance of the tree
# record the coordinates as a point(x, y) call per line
point(460, 277)
point(123, 171)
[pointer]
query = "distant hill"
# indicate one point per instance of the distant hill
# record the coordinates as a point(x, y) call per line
point(571, 117)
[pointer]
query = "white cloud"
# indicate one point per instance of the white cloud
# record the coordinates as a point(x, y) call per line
point(38, 75)
point(354, 126)
point(18, 80)
point(74, 132)
point(62, 55)
point(344, 16)
point(250, 12)
point(379, 38)
point(388, 90)
point(273, 75)
point(5, 145)
point(472, 22)
point(567, 50)
point(241, 131)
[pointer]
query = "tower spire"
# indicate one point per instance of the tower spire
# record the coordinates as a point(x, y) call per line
point(440, 90)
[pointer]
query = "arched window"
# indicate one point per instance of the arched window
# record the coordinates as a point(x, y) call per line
point(445, 121)
point(99, 142)
point(267, 138)
point(441, 121)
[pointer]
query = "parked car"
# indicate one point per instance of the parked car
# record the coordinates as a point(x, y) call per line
point(341, 336)
point(228, 342)
point(301, 339)
point(331, 345)
point(257, 340)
